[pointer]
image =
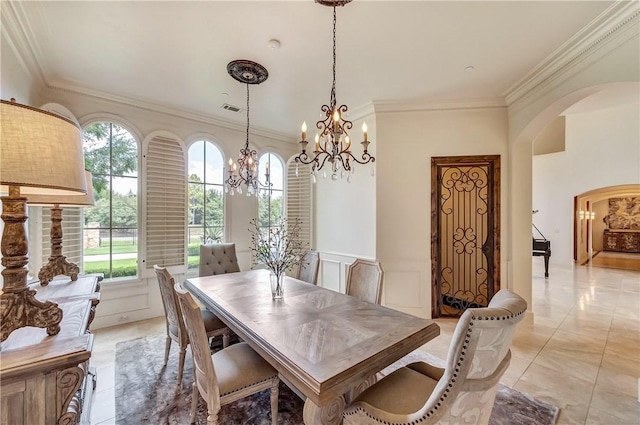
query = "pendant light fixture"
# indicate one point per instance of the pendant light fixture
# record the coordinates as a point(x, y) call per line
point(245, 171)
point(333, 143)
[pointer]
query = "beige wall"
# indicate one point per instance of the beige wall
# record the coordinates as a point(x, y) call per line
point(406, 143)
point(551, 139)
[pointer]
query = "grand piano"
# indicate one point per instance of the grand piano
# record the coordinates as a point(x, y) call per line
point(542, 248)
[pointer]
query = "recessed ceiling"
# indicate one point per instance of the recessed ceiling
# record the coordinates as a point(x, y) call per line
point(175, 53)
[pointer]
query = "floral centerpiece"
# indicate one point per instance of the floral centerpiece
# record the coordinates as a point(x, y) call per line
point(278, 248)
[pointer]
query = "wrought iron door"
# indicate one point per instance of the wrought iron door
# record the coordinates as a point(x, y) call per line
point(465, 233)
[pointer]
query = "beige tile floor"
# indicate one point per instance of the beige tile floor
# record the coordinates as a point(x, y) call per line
point(581, 353)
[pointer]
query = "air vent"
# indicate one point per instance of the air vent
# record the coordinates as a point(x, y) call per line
point(231, 107)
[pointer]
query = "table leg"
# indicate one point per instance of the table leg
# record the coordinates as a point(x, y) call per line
point(329, 414)
point(359, 389)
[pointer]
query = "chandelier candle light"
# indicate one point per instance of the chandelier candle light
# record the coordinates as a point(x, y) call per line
point(245, 172)
point(333, 144)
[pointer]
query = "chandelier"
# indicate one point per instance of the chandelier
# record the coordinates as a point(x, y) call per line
point(333, 143)
point(245, 171)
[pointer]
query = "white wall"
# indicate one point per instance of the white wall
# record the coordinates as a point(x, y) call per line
point(406, 143)
point(345, 214)
point(16, 80)
point(602, 149)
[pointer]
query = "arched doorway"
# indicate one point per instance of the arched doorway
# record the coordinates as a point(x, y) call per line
point(595, 233)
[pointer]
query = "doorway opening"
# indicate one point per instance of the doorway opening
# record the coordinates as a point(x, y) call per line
point(607, 227)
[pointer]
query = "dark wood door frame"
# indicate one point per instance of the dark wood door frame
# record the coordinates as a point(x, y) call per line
point(490, 247)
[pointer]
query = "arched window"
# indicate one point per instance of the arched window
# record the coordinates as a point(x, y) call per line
point(111, 225)
point(206, 200)
point(271, 201)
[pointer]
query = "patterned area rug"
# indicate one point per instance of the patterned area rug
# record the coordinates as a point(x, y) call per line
point(147, 393)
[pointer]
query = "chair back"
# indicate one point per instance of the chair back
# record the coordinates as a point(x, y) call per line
point(364, 280)
point(170, 303)
point(308, 270)
point(205, 374)
point(478, 356)
point(218, 258)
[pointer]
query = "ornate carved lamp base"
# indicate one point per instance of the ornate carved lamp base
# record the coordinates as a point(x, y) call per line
point(21, 308)
point(58, 264)
point(18, 305)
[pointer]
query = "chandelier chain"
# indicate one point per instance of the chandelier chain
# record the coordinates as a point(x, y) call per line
point(247, 142)
point(333, 87)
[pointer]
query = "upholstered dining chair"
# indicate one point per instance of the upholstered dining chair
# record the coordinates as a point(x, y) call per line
point(308, 270)
point(176, 330)
point(218, 258)
point(228, 375)
point(364, 280)
point(461, 393)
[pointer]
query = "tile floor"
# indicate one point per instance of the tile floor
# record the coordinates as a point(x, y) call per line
point(582, 353)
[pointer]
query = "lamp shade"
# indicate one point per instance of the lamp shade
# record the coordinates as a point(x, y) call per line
point(66, 200)
point(40, 152)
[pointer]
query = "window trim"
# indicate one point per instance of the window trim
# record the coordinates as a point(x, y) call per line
point(137, 135)
point(226, 223)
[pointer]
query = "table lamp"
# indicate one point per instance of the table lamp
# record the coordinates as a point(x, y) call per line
point(40, 153)
point(58, 264)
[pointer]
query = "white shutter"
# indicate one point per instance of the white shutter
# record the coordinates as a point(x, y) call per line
point(166, 202)
point(71, 235)
point(299, 200)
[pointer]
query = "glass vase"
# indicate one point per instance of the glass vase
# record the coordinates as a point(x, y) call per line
point(277, 285)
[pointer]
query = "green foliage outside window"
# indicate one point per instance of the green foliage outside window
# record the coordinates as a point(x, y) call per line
point(111, 154)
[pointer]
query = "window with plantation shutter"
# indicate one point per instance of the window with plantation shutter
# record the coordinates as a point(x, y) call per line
point(298, 198)
point(271, 201)
point(71, 235)
point(166, 202)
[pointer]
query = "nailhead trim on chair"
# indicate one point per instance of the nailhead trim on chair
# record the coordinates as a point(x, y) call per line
point(250, 385)
point(453, 380)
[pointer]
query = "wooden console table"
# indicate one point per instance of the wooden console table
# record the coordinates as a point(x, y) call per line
point(46, 380)
point(620, 240)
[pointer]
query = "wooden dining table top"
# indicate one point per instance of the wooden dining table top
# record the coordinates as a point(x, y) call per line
point(321, 341)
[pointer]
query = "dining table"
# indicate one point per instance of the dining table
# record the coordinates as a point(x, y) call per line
point(325, 345)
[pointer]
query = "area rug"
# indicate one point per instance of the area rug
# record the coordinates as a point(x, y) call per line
point(147, 393)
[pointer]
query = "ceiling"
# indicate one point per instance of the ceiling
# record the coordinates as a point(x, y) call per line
point(174, 54)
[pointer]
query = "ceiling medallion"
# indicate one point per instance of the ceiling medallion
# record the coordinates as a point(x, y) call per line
point(333, 3)
point(245, 171)
point(247, 72)
point(333, 143)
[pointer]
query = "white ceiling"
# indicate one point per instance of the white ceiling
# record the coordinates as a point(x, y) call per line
point(174, 53)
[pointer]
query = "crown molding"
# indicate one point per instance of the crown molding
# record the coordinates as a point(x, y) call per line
point(610, 24)
point(392, 106)
point(16, 29)
point(363, 111)
point(172, 112)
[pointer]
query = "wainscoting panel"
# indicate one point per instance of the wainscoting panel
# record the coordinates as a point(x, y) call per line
point(128, 302)
point(406, 287)
point(330, 276)
point(333, 270)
